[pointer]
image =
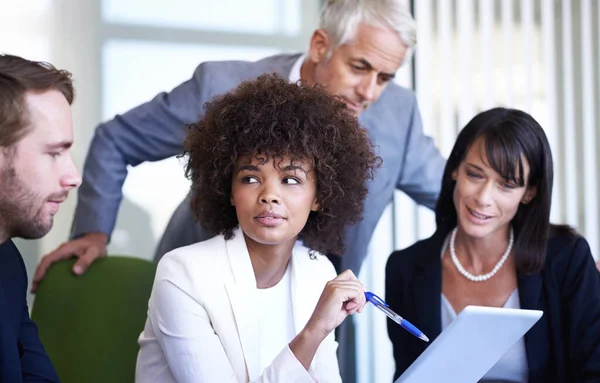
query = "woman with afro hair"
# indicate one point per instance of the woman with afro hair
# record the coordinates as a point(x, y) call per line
point(278, 170)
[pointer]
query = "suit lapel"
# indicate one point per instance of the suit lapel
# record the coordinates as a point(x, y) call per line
point(426, 293)
point(242, 296)
point(10, 368)
point(303, 294)
point(427, 288)
point(530, 287)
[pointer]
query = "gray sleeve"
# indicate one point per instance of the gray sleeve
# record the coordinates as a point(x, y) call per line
point(152, 131)
point(421, 176)
point(182, 230)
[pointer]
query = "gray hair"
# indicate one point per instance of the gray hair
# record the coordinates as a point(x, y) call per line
point(340, 19)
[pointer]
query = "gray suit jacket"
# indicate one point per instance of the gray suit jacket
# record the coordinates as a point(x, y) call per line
point(156, 130)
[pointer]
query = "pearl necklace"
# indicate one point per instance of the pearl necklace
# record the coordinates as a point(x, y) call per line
point(482, 277)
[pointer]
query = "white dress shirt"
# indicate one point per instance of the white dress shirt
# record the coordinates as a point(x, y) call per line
point(295, 71)
point(276, 319)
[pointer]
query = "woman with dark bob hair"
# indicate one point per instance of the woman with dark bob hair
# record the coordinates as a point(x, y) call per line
point(278, 170)
point(494, 246)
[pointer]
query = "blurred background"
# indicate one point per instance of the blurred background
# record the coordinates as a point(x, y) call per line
point(538, 55)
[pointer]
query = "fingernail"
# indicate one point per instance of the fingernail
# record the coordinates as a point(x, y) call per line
point(78, 270)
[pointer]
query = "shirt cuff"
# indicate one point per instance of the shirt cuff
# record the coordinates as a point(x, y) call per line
point(290, 369)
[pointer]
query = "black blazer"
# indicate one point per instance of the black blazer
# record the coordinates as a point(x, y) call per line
point(22, 356)
point(563, 346)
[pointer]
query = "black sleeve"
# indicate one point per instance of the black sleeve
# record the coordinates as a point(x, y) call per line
point(581, 309)
point(394, 297)
point(35, 363)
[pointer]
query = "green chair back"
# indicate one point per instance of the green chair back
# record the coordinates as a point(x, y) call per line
point(89, 324)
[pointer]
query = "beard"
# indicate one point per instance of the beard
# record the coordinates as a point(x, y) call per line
point(21, 209)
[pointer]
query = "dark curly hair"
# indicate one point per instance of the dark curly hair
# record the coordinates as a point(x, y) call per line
point(273, 117)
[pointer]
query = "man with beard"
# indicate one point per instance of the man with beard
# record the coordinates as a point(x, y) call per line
point(36, 175)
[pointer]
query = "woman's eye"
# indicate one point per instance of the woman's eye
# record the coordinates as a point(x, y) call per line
point(473, 175)
point(291, 181)
point(249, 180)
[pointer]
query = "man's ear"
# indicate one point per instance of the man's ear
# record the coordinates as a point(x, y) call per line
point(529, 195)
point(319, 46)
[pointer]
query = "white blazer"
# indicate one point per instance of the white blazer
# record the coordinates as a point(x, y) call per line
point(202, 324)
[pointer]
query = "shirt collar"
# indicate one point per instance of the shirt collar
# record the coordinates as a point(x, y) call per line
point(295, 72)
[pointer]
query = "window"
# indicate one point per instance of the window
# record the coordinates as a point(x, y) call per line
point(149, 47)
point(258, 16)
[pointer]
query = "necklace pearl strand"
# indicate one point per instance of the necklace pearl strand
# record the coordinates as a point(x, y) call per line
point(481, 277)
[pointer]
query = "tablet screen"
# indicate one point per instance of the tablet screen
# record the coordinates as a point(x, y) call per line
point(481, 334)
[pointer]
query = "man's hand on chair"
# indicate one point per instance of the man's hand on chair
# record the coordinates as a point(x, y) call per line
point(87, 248)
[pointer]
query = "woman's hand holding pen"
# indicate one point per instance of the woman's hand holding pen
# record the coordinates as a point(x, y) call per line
point(342, 296)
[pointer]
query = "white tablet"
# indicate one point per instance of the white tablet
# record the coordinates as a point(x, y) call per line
point(471, 345)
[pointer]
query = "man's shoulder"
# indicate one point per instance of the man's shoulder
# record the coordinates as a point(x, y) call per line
point(241, 70)
point(396, 103)
point(13, 280)
point(8, 246)
point(10, 258)
point(398, 94)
